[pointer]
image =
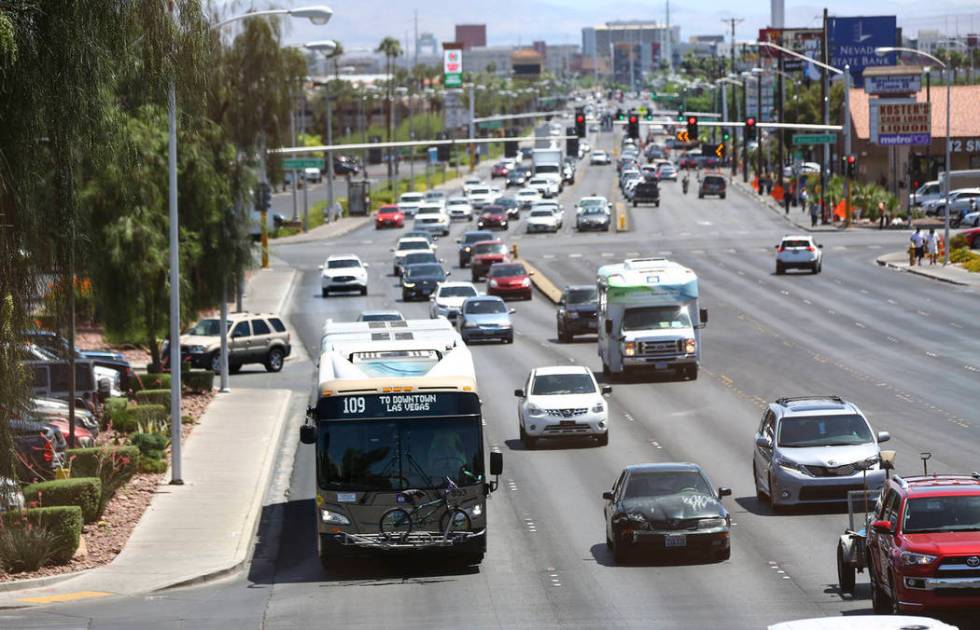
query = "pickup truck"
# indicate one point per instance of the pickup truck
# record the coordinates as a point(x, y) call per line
point(647, 191)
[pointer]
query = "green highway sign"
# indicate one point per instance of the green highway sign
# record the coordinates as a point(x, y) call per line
point(298, 164)
point(814, 138)
point(491, 124)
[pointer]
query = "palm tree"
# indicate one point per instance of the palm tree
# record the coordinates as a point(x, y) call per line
point(335, 56)
point(391, 49)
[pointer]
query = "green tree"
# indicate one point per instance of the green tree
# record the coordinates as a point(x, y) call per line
point(391, 49)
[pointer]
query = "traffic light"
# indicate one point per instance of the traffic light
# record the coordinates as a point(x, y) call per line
point(692, 127)
point(750, 128)
point(263, 197)
point(620, 115)
point(633, 130)
point(725, 136)
point(850, 163)
point(580, 124)
point(571, 144)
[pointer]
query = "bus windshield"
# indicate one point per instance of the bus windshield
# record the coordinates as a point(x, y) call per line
point(399, 454)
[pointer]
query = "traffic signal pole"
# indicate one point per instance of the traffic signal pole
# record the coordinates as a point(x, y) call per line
point(745, 140)
point(847, 142)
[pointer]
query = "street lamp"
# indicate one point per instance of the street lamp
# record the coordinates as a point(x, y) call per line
point(319, 14)
point(327, 47)
point(884, 50)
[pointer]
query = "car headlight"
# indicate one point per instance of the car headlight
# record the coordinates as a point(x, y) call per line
point(636, 518)
point(526, 282)
point(789, 464)
point(467, 249)
point(333, 518)
point(471, 325)
point(910, 559)
point(197, 349)
point(690, 345)
point(629, 348)
point(572, 314)
point(493, 283)
point(599, 407)
point(712, 523)
point(534, 410)
point(408, 285)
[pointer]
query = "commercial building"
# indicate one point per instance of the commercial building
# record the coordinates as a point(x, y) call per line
point(638, 44)
point(471, 35)
point(496, 58)
point(527, 63)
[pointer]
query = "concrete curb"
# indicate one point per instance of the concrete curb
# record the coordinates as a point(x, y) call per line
point(881, 260)
point(348, 226)
point(746, 190)
point(541, 282)
point(20, 585)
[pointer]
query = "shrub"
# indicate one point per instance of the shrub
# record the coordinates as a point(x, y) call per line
point(23, 546)
point(113, 465)
point(149, 418)
point(83, 492)
point(64, 523)
point(140, 381)
point(115, 408)
point(973, 265)
point(198, 381)
point(147, 442)
point(957, 242)
point(153, 397)
point(124, 421)
point(960, 254)
point(153, 466)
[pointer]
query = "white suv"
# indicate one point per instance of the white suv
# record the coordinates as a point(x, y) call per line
point(459, 208)
point(409, 203)
point(562, 401)
point(480, 196)
point(432, 218)
point(799, 252)
point(343, 272)
point(448, 299)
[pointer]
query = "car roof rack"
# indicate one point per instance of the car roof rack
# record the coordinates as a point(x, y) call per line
point(901, 481)
point(789, 399)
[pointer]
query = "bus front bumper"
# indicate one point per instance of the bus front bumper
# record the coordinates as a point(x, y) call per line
point(354, 545)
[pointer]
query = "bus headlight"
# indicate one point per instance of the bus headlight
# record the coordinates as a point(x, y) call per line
point(475, 511)
point(333, 518)
point(690, 346)
point(629, 348)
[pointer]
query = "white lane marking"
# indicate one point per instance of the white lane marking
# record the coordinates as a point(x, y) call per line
point(932, 354)
point(874, 246)
point(840, 247)
point(575, 255)
point(859, 325)
point(731, 251)
point(547, 255)
point(892, 339)
point(864, 291)
point(807, 301)
point(923, 313)
point(607, 254)
point(970, 367)
point(784, 291)
point(832, 312)
point(685, 234)
point(655, 444)
point(629, 417)
point(697, 251)
point(632, 254)
point(705, 223)
point(891, 301)
point(955, 325)
point(367, 242)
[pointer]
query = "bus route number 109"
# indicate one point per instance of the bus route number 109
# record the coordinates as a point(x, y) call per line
point(354, 405)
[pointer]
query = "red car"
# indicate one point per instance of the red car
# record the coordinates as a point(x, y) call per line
point(389, 216)
point(923, 544)
point(499, 170)
point(486, 253)
point(509, 279)
point(972, 237)
point(493, 217)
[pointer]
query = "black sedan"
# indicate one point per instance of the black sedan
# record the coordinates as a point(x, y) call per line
point(420, 281)
point(466, 244)
point(666, 509)
point(513, 207)
point(518, 177)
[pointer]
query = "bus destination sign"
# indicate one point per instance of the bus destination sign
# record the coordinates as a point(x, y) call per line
point(396, 405)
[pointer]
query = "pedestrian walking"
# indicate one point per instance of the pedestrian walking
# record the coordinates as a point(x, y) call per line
point(918, 243)
point(932, 246)
point(882, 215)
point(814, 210)
point(804, 196)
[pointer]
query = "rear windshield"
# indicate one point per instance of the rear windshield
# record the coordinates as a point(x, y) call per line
point(413, 245)
point(796, 243)
point(716, 181)
point(484, 307)
point(420, 257)
point(457, 292)
point(498, 248)
point(580, 296)
point(343, 264)
point(507, 270)
point(381, 317)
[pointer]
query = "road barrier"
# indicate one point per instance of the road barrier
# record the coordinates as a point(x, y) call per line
point(622, 217)
point(541, 282)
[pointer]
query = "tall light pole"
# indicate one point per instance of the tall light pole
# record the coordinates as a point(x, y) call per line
point(318, 15)
point(327, 47)
point(949, 82)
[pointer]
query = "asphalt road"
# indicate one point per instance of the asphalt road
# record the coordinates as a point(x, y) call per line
point(903, 348)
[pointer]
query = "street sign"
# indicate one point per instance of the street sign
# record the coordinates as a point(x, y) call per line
point(298, 164)
point(814, 138)
point(900, 121)
point(454, 113)
point(452, 68)
point(720, 150)
point(490, 124)
point(683, 137)
point(893, 84)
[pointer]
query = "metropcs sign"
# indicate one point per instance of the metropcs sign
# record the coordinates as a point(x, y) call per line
point(900, 121)
point(452, 68)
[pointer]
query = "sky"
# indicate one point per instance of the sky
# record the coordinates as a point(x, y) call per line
point(361, 24)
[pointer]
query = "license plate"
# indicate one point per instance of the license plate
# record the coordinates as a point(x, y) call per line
point(661, 365)
point(675, 540)
point(593, 325)
point(567, 423)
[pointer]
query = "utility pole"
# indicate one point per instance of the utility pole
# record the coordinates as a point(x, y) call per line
point(292, 129)
point(732, 131)
point(847, 142)
point(758, 150)
point(825, 105)
point(745, 141)
point(780, 132)
point(472, 126)
point(329, 156)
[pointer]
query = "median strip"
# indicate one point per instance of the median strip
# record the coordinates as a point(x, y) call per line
point(541, 282)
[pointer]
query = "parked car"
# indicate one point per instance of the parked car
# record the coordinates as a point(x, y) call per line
point(346, 165)
point(485, 318)
point(814, 449)
point(11, 496)
point(466, 242)
point(313, 175)
point(449, 298)
point(252, 338)
point(712, 185)
point(562, 401)
point(972, 238)
point(39, 449)
point(107, 363)
point(389, 216)
point(799, 252)
point(493, 217)
point(666, 509)
point(577, 310)
point(484, 254)
point(419, 281)
point(509, 279)
point(343, 272)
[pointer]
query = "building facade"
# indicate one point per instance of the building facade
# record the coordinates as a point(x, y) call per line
point(471, 35)
point(495, 57)
point(638, 44)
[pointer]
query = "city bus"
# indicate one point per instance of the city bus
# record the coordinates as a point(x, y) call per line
point(398, 434)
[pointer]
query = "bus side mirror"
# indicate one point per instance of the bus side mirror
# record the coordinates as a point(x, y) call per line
point(307, 434)
point(608, 326)
point(703, 314)
point(496, 463)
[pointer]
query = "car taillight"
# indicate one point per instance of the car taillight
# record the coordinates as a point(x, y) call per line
point(48, 454)
point(780, 249)
point(809, 248)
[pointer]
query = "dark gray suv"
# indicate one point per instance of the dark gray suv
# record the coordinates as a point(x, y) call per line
point(577, 311)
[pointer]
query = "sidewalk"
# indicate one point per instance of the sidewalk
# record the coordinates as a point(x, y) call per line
point(953, 274)
point(205, 528)
point(796, 217)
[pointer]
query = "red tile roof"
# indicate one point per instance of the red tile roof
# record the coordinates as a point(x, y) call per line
point(964, 117)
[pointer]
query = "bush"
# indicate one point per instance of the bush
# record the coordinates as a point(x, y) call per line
point(957, 242)
point(973, 265)
point(149, 418)
point(153, 466)
point(24, 547)
point(83, 492)
point(124, 421)
point(64, 523)
point(198, 381)
point(114, 465)
point(960, 254)
point(148, 442)
point(115, 408)
point(153, 397)
point(140, 381)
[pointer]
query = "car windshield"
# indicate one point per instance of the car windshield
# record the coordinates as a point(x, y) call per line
point(388, 210)
point(957, 513)
point(380, 317)
point(457, 292)
point(557, 384)
point(485, 307)
point(495, 210)
point(409, 245)
point(207, 328)
point(542, 212)
point(656, 317)
point(425, 270)
point(592, 203)
point(476, 237)
point(379, 455)
point(594, 210)
point(806, 431)
point(580, 296)
point(499, 271)
point(490, 248)
point(797, 243)
point(343, 264)
point(667, 483)
point(420, 257)
point(479, 191)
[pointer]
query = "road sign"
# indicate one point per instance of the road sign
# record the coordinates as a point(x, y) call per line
point(900, 121)
point(683, 137)
point(452, 68)
point(720, 150)
point(490, 124)
point(814, 138)
point(298, 164)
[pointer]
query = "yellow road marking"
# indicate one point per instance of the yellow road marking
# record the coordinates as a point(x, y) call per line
point(64, 597)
